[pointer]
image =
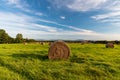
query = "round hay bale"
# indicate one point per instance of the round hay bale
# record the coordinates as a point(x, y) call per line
point(42, 43)
point(58, 50)
point(109, 45)
point(25, 43)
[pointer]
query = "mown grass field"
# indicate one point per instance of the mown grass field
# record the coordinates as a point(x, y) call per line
point(86, 62)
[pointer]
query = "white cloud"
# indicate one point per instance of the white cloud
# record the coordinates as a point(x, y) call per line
point(15, 23)
point(66, 26)
point(113, 5)
point(22, 5)
point(18, 4)
point(107, 15)
point(45, 28)
point(111, 14)
point(113, 18)
point(110, 9)
point(49, 7)
point(81, 30)
point(79, 5)
point(13, 2)
point(86, 5)
point(39, 14)
point(62, 17)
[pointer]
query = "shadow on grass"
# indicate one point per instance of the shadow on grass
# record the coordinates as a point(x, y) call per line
point(26, 55)
point(15, 70)
point(77, 59)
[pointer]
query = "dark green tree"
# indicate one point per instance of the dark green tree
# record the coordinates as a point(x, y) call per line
point(29, 40)
point(4, 37)
point(19, 38)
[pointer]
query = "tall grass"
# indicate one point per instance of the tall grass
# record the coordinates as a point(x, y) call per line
point(86, 62)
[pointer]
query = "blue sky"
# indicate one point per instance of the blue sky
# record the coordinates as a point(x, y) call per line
point(61, 19)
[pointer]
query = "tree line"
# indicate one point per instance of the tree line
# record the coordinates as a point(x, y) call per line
point(5, 38)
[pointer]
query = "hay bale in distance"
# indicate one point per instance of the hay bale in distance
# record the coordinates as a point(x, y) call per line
point(25, 43)
point(109, 45)
point(42, 43)
point(58, 50)
point(84, 42)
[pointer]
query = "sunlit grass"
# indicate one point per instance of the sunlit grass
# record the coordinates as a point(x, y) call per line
point(86, 62)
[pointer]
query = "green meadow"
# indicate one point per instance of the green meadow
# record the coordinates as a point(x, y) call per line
point(86, 62)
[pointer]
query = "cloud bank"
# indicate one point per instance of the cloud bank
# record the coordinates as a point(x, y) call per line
point(33, 27)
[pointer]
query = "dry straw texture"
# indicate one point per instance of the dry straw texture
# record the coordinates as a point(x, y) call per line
point(109, 45)
point(58, 50)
